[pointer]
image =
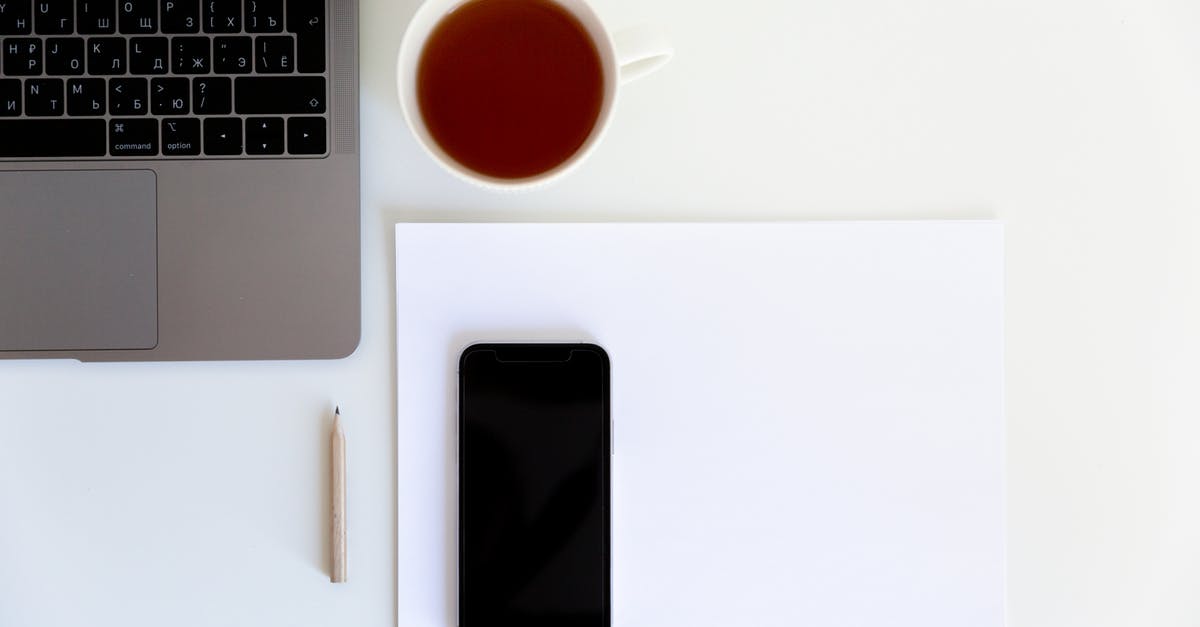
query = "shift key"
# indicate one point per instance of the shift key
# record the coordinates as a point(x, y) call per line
point(257, 95)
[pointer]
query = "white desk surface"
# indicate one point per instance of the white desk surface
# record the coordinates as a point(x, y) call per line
point(150, 494)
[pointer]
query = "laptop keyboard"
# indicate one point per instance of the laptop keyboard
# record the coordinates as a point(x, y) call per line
point(162, 78)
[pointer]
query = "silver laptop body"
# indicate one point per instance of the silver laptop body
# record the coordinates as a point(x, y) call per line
point(148, 232)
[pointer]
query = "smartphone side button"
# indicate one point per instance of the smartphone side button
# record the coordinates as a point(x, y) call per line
point(612, 437)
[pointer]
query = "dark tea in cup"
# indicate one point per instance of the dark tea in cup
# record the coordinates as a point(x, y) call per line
point(510, 89)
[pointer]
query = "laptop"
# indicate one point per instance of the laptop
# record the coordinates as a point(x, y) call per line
point(179, 179)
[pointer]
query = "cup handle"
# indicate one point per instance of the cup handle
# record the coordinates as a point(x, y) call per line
point(640, 51)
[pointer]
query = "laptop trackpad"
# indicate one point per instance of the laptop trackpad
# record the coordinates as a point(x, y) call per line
point(78, 260)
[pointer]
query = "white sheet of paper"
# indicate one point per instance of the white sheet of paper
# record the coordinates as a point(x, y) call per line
point(808, 417)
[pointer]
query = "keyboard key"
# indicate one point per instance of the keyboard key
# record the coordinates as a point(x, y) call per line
point(148, 55)
point(306, 18)
point(16, 18)
point(169, 96)
point(264, 16)
point(180, 136)
point(133, 137)
point(54, 17)
point(222, 136)
point(306, 136)
point(138, 16)
point(43, 96)
point(106, 55)
point(264, 136)
point(64, 56)
point(127, 96)
point(180, 16)
point(273, 55)
point(310, 53)
point(10, 97)
point(35, 139)
point(97, 17)
point(86, 96)
point(22, 57)
point(222, 16)
point(279, 94)
point(231, 55)
point(212, 96)
point(189, 55)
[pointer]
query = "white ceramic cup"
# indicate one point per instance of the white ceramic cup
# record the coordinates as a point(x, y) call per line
point(625, 55)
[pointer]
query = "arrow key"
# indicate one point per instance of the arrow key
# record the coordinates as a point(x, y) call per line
point(306, 136)
point(222, 136)
point(264, 136)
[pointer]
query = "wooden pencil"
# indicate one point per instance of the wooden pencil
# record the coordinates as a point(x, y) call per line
point(337, 442)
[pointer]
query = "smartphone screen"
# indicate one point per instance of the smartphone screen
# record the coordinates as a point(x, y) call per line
point(534, 486)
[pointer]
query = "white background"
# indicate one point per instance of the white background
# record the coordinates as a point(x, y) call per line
point(1077, 122)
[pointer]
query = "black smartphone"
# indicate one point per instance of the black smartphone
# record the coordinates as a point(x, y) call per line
point(534, 441)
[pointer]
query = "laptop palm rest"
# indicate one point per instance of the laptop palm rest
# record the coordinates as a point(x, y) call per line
point(78, 260)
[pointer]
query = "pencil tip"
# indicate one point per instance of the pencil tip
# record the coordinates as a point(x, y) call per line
point(338, 410)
